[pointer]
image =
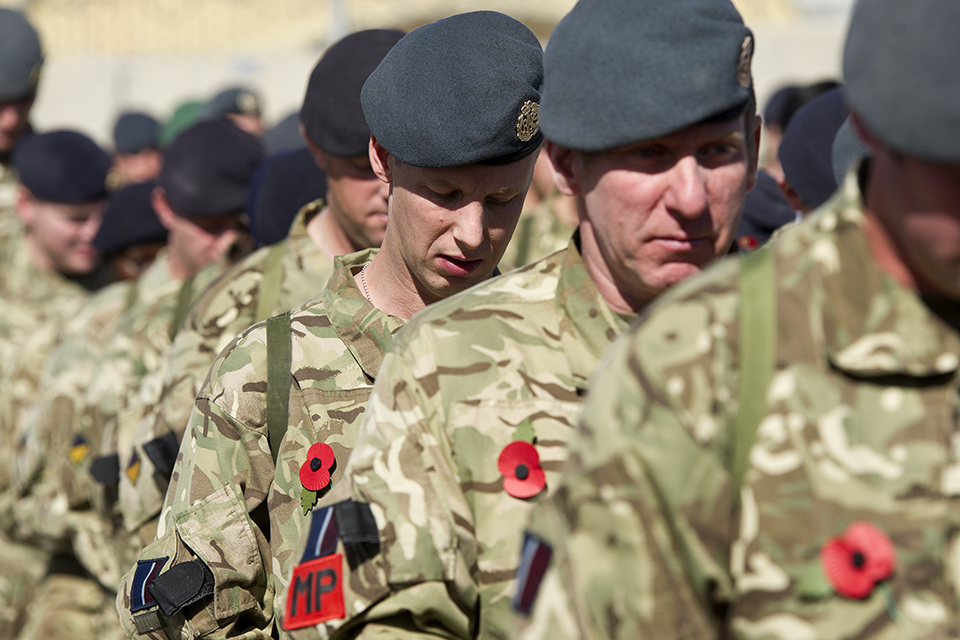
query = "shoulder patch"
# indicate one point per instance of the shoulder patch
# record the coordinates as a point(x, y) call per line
point(322, 537)
point(106, 469)
point(146, 572)
point(315, 593)
point(534, 560)
point(183, 584)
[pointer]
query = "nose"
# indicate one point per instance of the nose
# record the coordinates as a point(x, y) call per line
point(686, 193)
point(469, 229)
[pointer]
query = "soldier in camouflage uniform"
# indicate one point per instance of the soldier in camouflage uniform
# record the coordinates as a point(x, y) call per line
point(272, 279)
point(243, 489)
point(773, 452)
point(476, 398)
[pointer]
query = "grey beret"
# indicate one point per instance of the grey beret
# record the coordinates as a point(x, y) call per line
point(847, 149)
point(20, 56)
point(623, 71)
point(806, 152)
point(459, 91)
point(901, 65)
point(135, 132)
point(238, 100)
point(331, 112)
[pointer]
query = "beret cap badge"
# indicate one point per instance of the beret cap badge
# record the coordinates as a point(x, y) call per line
point(528, 122)
point(743, 66)
point(246, 102)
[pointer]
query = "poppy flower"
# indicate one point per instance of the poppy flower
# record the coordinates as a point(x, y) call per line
point(519, 463)
point(315, 472)
point(855, 562)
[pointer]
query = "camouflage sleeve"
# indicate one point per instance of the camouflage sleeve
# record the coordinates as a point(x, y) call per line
point(211, 557)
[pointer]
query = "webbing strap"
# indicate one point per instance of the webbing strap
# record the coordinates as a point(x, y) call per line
point(279, 359)
point(270, 285)
point(183, 306)
point(757, 349)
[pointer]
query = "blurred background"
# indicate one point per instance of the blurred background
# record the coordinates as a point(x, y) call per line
point(105, 56)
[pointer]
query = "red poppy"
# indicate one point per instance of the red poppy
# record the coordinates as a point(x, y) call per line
point(857, 561)
point(520, 465)
point(315, 472)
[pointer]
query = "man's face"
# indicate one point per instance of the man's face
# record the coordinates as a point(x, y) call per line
point(451, 226)
point(357, 198)
point(132, 261)
point(13, 121)
point(137, 167)
point(202, 240)
point(657, 212)
point(61, 235)
point(918, 202)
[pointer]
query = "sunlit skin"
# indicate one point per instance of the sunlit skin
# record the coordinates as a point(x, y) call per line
point(14, 121)
point(59, 237)
point(138, 167)
point(448, 228)
point(251, 123)
point(194, 241)
point(656, 212)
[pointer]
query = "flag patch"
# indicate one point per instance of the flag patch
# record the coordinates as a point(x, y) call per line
point(534, 560)
point(322, 538)
point(147, 571)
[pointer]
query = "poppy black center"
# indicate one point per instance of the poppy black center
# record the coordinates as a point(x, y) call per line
point(522, 472)
point(315, 464)
point(858, 559)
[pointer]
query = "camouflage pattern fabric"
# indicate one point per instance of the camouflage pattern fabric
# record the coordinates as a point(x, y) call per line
point(228, 504)
point(653, 537)
point(505, 361)
point(226, 308)
point(69, 606)
point(540, 232)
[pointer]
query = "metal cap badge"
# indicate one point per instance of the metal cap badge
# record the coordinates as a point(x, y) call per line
point(528, 122)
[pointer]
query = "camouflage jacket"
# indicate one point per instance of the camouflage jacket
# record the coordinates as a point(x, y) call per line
point(295, 269)
point(540, 232)
point(500, 366)
point(9, 222)
point(845, 522)
point(229, 506)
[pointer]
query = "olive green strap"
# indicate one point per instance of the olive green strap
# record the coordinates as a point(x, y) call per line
point(279, 359)
point(757, 349)
point(270, 285)
point(183, 306)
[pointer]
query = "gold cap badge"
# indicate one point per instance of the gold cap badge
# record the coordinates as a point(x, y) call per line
point(34, 78)
point(743, 66)
point(528, 123)
point(246, 102)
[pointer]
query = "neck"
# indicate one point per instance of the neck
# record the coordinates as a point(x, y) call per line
point(38, 258)
point(178, 267)
point(882, 246)
point(327, 234)
point(390, 286)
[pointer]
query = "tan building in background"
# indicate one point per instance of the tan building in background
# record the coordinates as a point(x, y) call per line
point(107, 55)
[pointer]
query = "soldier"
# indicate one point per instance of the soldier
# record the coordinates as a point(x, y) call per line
point(271, 280)
point(773, 452)
point(475, 400)
point(233, 515)
point(136, 141)
point(21, 59)
point(239, 105)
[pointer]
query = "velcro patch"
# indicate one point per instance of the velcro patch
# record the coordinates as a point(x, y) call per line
point(183, 584)
point(322, 538)
point(146, 572)
point(106, 469)
point(163, 452)
point(315, 593)
point(356, 523)
point(534, 560)
point(147, 622)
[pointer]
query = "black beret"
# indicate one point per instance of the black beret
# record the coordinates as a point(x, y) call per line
point(847, 149)
point(284, 183)
point(285, 135)
point(207, 169)
point(776, 111)
point(765, 210)
point(62, 166)
point(618, 72)
point(239, 100)
point(900, 65)
point(459, 91)
point(806, 151)
point(135, 132)
point(129, 220)
point(20, 56)
point(331, 112)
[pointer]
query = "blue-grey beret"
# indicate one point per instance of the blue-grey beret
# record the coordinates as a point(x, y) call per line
point(458, 91)
point(806, 151)
point(207, 169)
point(62, 166)
point(847, 149)
point(618, 72)
point(238, 100)
point(331, 112)
point(777, 110)
point(901, 65)
point(20, 56)
point(284, 183)
point(285, 135)
point(129, 220)
point(135, 131)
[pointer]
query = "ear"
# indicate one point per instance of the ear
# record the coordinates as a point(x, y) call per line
point(318, 155)
point(158, 198)
point(26, 210)
point(380, 161)
point(753, 154)
point(567, 166)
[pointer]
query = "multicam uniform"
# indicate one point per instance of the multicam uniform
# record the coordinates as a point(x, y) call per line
point(9, 223)
point(856, 425)
point(264, 284)
point(540, 232)
point(502, 365)
point(233, 514)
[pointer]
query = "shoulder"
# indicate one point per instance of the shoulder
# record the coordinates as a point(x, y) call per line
point(236, 287)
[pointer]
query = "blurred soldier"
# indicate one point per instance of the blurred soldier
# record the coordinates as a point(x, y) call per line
point(136, 141)
point(453, 207)
point(475, 400)
point(21, 59)
point(773, 452)
point(239, 105)
point(286, 182)
point(274, 279)
point(131, 234)
point(184, 116)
